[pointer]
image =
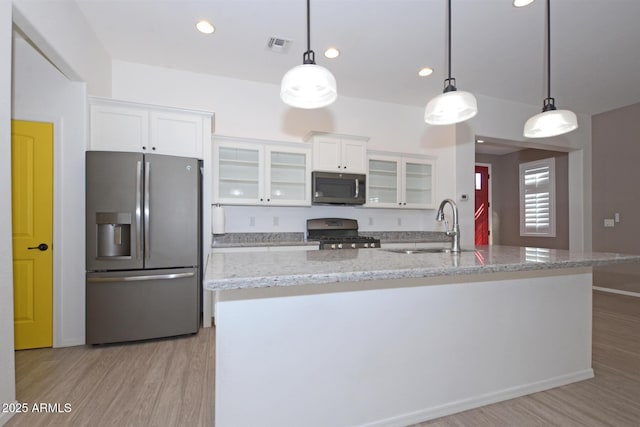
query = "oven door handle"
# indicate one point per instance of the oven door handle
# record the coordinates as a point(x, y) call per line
point(355, 196)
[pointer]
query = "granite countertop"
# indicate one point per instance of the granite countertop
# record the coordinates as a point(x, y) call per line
point(270, 269)
point(250, 240)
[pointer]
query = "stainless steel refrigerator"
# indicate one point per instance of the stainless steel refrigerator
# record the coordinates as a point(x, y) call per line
point(143, 246)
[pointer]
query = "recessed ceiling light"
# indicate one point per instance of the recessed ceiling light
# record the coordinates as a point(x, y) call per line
point(425, 71)
point(522, 3)
point(205, 27)
point(331, 53)
point(480, 141)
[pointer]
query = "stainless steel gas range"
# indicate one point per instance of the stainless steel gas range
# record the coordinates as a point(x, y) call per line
point(338, 233)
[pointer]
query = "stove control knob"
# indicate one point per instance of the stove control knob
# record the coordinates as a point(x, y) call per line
point(372, 245)
point(366, 245)
point(353, 245)
point(339, 245)
point(333, 246)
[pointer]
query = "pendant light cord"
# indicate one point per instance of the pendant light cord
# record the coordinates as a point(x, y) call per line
point(449, 31)
point(548, 48)
point(309, 57)
point(449, 83)
point(308, 26)
point(549, 102)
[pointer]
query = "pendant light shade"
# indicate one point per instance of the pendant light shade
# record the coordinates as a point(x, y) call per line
point(308, 85)
point(452, 106)
point(551, 122)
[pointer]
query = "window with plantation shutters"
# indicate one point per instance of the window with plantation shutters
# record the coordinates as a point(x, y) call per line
point(537, 198)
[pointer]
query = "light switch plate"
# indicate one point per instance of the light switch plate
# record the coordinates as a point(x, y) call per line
point(609, 223)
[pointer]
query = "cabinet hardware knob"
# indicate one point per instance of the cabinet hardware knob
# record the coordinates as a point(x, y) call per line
point(41, 247)
point(144, 147)
point(153, 148)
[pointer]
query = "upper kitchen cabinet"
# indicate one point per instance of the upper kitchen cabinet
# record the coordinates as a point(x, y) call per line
point(338, 153)
point(261, 173)
point(400, 182)
point(127, 126)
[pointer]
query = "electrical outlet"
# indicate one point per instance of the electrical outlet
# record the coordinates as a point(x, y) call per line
point(370, 221)
point(276, 221)
point(399, 221)
point(609, 223)
point(252, 221)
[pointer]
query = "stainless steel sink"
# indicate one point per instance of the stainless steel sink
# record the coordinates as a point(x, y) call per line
point(425, 251)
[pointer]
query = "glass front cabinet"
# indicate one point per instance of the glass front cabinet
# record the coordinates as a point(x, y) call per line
point(400, 182)
point(255, 173)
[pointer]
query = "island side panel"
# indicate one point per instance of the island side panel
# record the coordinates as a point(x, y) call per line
point(399, 355)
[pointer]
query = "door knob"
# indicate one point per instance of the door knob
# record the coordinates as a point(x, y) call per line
point(40, 247)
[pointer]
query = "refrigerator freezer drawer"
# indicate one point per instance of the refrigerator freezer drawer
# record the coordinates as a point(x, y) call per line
point(130, 306)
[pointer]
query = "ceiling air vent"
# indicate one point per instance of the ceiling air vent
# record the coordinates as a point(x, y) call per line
point(278, 44)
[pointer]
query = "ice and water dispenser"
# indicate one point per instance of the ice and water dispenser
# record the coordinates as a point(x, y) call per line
point(114, 234)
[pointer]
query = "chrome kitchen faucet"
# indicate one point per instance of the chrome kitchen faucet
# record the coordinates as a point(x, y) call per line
point(455, 230)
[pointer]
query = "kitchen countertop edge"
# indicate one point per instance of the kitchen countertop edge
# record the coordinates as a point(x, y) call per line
point(299, 277)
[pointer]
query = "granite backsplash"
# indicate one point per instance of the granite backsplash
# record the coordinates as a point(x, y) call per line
point(299, 238)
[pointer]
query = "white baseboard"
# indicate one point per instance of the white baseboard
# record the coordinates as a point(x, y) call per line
point(617, 291)
point(478, 401)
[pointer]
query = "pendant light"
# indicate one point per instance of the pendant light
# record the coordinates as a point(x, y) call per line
point(551, 122)
point(452, 106)
point(308, 85)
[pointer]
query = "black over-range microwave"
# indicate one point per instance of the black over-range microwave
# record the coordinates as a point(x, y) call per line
point(338, 188)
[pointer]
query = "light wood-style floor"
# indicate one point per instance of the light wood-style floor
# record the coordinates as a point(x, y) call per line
point(154, 383)
point(170, 382)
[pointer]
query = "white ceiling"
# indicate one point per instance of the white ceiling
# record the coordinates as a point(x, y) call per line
point(498, 50)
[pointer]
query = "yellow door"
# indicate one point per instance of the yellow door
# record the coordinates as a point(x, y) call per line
point(32, 201)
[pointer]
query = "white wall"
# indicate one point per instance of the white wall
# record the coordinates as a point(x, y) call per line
point(7, 364)
point(465, 185)
point(62, 34)
point(254, 110)
point(42, 93)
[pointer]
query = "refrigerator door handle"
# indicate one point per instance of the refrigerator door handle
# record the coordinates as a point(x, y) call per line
point(140, 278)
point(147, 230)
point(138, 209)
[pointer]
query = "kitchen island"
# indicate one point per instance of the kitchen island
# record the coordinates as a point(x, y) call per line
point(375, 337)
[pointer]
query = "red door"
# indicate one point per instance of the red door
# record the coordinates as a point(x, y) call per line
point(482, 205)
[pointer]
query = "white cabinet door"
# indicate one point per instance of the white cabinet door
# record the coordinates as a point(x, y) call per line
point(238, 175)
point(384, 182)
point(339, 153)
point(118, 128)
point(288, 177)
point(327, 154)
point(354, 156)
point(178, 134)
point(418, 183)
